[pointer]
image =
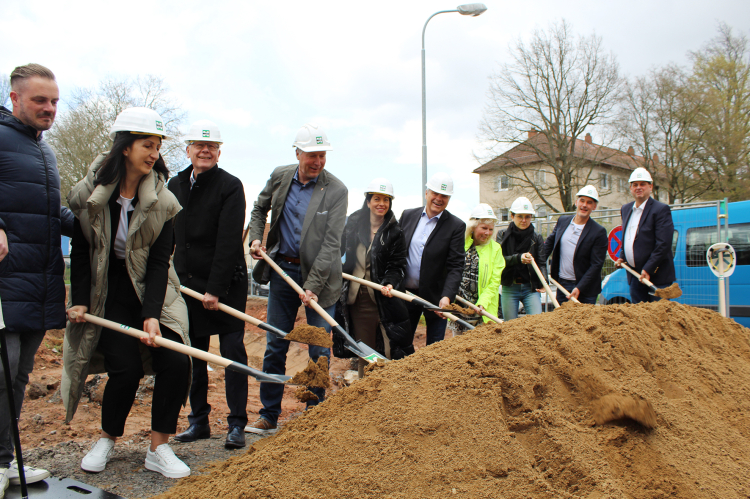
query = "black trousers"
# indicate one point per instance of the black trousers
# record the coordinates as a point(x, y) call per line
point(435, 325)
point(122, 361)
point(232, 347)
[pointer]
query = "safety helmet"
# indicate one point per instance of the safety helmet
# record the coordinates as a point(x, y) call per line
point(640, 175)
point(590, 192)
point(522, 206)
point(380, 185)
point(203, 131)
point(483, 210)
point(138, 120)
point(312, 138)
point(440, 183)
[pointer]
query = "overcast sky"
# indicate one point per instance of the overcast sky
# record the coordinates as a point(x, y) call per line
point(262, 69)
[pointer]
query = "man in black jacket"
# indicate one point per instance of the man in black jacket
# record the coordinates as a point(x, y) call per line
point(647, 229)
point(435, 259)
point(31, 221)
point(209, 259)
point(578, 246)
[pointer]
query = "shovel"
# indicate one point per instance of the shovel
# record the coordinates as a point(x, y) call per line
point(358, 348)
point(236, 313)
point(192, 352)
point(544, 283)
point(565, 291)
point(410, 298)
point(479, 310)
point(638, 276)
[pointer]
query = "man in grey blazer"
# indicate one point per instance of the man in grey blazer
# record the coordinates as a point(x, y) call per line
point(308, 211)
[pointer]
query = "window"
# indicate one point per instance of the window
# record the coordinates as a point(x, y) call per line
point(622, 185)
point(540, 177)
point(503, 183)
point(701, 238)
point(604, 180)
point(504, 215)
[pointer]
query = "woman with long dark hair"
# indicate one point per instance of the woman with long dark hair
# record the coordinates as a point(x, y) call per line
point(375, 250)
point(121, 270)
point(521, 244)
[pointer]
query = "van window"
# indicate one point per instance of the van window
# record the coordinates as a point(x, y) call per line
point(675, 237)
point(699, 239)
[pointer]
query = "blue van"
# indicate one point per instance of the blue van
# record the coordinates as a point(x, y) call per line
point(695, 230)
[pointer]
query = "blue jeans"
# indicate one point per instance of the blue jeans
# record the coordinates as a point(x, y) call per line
point(520, 293)
point(283, 303)
point(21, 350)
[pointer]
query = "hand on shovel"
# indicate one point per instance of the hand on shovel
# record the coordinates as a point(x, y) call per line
point(307, 297)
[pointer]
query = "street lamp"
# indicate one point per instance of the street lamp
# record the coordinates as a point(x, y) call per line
point(469, 9)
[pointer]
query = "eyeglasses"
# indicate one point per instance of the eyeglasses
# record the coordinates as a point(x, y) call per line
point(202, 145)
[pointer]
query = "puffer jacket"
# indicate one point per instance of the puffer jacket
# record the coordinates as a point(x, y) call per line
point(387, 266)
point(90, 205)
point(31, 274)
point(491, 265)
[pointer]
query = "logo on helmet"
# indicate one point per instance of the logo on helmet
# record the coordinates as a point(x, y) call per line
point(319, 140)
point(382, 188)
point(443, 187)
point(159, 126)
point(525, 207)
point(206, 133)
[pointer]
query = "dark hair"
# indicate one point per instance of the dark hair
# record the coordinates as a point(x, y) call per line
point(29, 71)
point(113, 166)
point(368, 197)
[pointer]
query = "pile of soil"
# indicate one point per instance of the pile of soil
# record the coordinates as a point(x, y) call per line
point(461, 310)
point(311, 335)
point(670, 292)
point(507, 411)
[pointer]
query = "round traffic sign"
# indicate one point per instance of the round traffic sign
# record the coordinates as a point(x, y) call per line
point(615, 242)
point(721, 259)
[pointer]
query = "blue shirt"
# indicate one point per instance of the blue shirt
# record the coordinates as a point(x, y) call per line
point(416, 248)
point(293, 215)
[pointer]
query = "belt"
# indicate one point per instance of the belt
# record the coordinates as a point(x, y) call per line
point(519, 280)
point(290, 259)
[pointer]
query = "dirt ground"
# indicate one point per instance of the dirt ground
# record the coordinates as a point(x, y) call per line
point(51, 444)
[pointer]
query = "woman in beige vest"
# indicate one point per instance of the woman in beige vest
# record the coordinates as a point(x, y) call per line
point(121, 270)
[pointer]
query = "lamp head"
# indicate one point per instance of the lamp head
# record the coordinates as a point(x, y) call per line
point(471, 9)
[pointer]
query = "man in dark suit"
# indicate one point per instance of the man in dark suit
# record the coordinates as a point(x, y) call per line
point(578, 246)
point(308, 210)
point(435, 262)
point(647, 230)
point(209, 259)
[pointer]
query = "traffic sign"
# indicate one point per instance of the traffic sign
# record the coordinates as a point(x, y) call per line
point(721, 259)
point(615, 243)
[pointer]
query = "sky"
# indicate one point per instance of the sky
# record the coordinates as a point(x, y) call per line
point(260, 70)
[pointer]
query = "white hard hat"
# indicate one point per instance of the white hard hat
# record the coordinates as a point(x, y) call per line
point(522, 206)
point(640, 175)
point(380, 185)
point(204, 131)
point(441, 183)
point(140, 120)
point(483, 210)
point(590, 192)
point(312, 138)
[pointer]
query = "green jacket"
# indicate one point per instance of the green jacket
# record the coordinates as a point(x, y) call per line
point(491, 265)
point(90, 205)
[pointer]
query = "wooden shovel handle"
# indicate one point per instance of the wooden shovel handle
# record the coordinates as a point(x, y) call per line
point(479, 310)
point(636, 274)
point(224, 308)
point(544, 283)
point(565, 291)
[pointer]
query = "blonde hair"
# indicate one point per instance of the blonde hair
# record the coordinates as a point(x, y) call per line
point(474, 222)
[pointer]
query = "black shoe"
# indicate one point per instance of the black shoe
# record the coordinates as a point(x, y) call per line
point(195, 432)
point(235, 438)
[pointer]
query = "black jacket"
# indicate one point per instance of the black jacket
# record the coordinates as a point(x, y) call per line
point(514, 260)
point(387, 266)
point(652, 248)
point(588, 258)
point(443, 258)
point(31, 274)
point(208, 254)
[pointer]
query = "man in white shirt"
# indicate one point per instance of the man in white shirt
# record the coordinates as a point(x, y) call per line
point(578, 246)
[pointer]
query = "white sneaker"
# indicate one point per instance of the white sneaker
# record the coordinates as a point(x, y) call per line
point(98, 457)
point(33, 475)
point(165, 462)
point(4, 483)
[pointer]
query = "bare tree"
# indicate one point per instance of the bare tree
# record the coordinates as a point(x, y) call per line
point(4, 90)
point(659, 117)
point(721, 82)
point(82, 131)
point(558, 84)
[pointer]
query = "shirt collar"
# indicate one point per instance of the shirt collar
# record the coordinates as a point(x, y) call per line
point(424, 212)
point(296, 177)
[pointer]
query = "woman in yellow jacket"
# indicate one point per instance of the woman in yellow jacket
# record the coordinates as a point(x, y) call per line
point(484, 262)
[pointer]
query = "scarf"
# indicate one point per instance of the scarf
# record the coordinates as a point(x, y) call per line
point(519, 242)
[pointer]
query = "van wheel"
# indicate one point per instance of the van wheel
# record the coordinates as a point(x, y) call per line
point(618, 300)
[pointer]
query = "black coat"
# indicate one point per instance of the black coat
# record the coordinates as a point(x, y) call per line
point(652, 248)
point(32, 289)
point(208, 256)
point(387, 266)
point(588, 258)
point(513, 260)
point(443, 258)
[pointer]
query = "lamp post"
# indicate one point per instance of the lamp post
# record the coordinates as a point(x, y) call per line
point(469, 9)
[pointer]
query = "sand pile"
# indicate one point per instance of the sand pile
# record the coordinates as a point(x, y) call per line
point(461, 310)
point(311, 335)
point(507, 411)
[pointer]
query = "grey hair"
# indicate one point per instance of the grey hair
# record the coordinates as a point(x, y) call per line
point(474, 222)
point(28, 71)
